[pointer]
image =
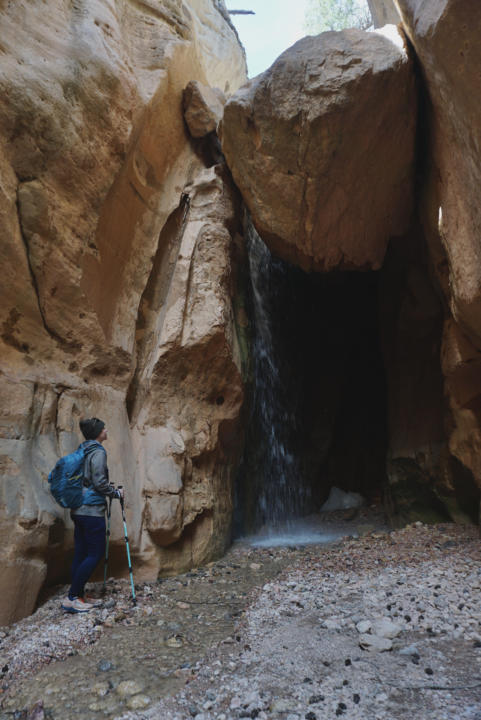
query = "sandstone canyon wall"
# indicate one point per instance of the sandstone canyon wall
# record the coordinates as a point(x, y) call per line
point(383, 12)
point(445, 38)
point(119, 271)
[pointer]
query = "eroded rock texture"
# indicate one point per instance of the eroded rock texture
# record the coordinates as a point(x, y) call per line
point(321, 146)
point(445, 36)
point(117, 276)
point(203, 108)
point(383, 12)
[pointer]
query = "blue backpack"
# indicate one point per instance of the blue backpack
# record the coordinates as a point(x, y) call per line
point(67, 479)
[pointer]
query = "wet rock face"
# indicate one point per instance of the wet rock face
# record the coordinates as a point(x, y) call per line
point(298, 157)
point(100, 189)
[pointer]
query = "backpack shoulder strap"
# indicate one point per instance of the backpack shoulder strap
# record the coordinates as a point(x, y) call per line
point(87, 464)
point(86, 470)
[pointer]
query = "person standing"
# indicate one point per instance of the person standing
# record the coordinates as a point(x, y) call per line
point(89, 518)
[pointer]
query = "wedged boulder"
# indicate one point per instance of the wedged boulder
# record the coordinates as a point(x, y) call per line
point(203, 108)
point(321, 147)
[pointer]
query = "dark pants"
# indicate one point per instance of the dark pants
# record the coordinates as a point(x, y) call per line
point(89, 539)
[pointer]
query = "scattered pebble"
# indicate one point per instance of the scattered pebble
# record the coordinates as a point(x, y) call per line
point(128, 687)
point(288, 648)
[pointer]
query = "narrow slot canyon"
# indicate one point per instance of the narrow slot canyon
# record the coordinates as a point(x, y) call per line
point(264, 284)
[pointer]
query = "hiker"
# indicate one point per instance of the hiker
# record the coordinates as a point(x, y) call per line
point(89, 518)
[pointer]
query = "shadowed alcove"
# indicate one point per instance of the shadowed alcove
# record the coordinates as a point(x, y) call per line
point(346, 391)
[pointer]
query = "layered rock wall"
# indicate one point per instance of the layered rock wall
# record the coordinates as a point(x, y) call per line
point(102, 193)
point(445, 38)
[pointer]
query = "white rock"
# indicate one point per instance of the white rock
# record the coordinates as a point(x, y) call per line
point(385, 628)
point(374, 643)
point(331, 624)
point(409, 650)
point(364, 626)
point(340, 500)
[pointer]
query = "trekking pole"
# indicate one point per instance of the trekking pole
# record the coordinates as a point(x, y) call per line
point(107, 541)
point(134, 599)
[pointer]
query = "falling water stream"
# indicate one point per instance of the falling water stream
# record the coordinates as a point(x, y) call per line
point(280, 494)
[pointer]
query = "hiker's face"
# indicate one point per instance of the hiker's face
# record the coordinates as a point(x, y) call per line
point(102, 436)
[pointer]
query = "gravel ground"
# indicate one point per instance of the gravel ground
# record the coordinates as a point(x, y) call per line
point(298, 655)
point(376, 627)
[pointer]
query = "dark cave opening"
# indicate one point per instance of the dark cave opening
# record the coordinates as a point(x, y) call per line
point(347, 391)
point(318, 414)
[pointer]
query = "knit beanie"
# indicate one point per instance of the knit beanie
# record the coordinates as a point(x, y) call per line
point(91, 428)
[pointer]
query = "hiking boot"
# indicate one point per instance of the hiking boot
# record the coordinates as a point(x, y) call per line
point(75, 606)
point(94, 602)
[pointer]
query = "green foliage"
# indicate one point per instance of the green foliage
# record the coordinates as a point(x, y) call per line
point(322, 15)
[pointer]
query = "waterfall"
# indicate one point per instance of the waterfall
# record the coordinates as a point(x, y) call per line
point(275, 478)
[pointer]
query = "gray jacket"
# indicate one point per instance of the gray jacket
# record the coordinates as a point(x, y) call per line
point(96, 481)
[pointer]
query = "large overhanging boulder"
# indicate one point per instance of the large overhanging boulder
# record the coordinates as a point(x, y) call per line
point(321, 146)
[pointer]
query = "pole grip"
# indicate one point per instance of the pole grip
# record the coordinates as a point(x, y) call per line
point(121, 498)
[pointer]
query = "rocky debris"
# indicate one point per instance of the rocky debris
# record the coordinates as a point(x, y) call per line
point(295, 667)
point(203, 108)
point(283, 658)
point(93, 208)
point(297, 139)
point(128, 657)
